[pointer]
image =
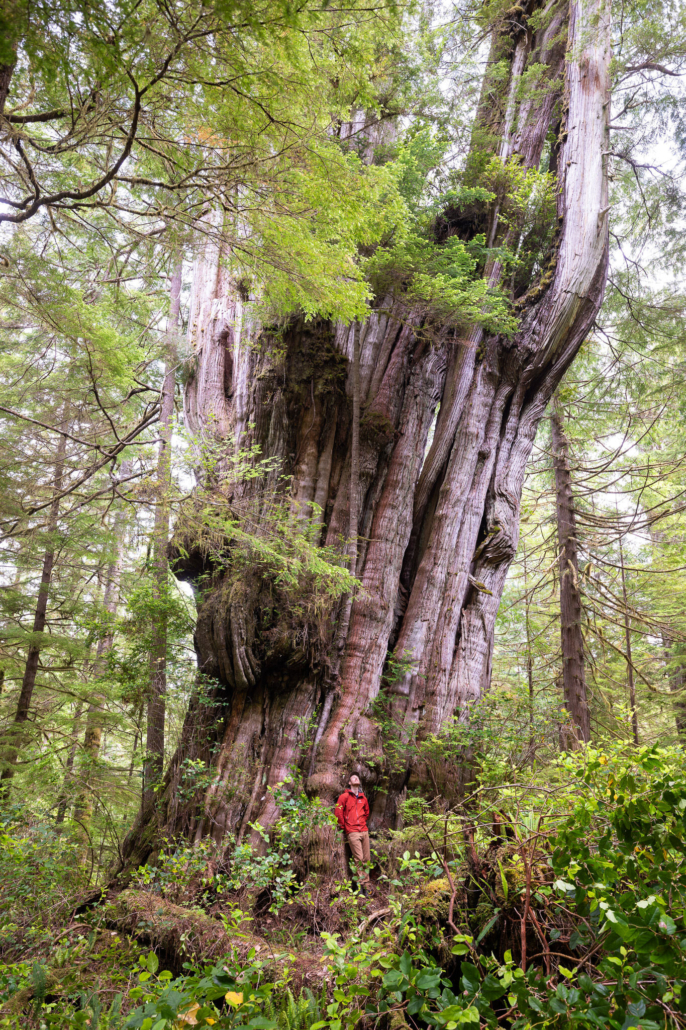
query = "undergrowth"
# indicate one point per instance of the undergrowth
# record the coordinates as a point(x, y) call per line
point(556, 899)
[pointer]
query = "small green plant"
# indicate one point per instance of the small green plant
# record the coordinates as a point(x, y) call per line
point(227, 995)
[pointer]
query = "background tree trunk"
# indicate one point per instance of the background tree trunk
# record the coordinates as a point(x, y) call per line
point(83, 809)
point(435, 545)
point(68, 781)
point(6, 71)
point(629, 658)
point(160, 565)
point(677, 681)
point(32, 658)
point(573, 671)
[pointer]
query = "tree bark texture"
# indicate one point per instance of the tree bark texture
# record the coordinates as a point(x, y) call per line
point(435, 536)
point(572, 640)
point(6, 71)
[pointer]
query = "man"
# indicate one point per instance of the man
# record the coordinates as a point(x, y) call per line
point(352, 812)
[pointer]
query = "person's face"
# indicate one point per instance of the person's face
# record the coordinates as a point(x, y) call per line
point(354, 787)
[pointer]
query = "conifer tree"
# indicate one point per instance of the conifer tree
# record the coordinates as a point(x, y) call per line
point(573, 672)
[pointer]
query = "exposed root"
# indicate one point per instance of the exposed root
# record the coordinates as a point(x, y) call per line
point(178, 934)
point(181, 935)
point(371, 918)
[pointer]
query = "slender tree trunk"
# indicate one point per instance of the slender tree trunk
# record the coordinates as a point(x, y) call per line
point(32, 658)
point(154, 760)
point(68, 781)
point(629, 658)
point(677, 681)
point(529, 654)
point(435, 538)
point(573, 670)
point(97, 707)
point(6, 72)
point(674, 658)
point(136, 737)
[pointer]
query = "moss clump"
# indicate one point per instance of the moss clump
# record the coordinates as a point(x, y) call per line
point(433, 902)
point(376, 425)
point(175, 931)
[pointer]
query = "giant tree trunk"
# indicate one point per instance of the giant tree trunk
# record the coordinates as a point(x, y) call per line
point(435, 538)
point(573, 670)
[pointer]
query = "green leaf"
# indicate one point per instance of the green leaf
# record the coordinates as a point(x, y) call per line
point(667, 924)
point(486, 928)
point(393, 979)
point(405, 964)
point(428, 979)
point(503, 880)
point(471, 980)
point(491, 988)
point(415, 1005)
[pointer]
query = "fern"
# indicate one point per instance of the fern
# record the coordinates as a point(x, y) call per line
point(296, 1015)
point(39, 979)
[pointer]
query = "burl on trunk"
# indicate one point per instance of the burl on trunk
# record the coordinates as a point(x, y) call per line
point(436, 532)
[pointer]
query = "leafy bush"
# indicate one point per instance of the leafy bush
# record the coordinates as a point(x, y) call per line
point(585, 864)
point(40, 873)
point(207, 868)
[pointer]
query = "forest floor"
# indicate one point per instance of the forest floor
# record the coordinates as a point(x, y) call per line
point(559, 901)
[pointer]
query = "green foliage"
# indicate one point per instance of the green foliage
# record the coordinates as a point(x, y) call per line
point(295, 1013)
point(240, 866)
point(441, 277)
point(605, 881)
point(230, 994)
point(300, 816)
point(39, 877)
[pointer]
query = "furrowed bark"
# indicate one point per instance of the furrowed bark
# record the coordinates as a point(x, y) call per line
point(473, 541)
point(434, 544)
point(573, 670)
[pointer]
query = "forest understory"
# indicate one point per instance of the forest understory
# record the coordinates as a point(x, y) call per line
point(342, 420)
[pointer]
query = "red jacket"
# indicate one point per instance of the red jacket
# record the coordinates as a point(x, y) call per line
point(352, 812)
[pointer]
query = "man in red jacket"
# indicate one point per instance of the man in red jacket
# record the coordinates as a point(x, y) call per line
point(352, 812)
